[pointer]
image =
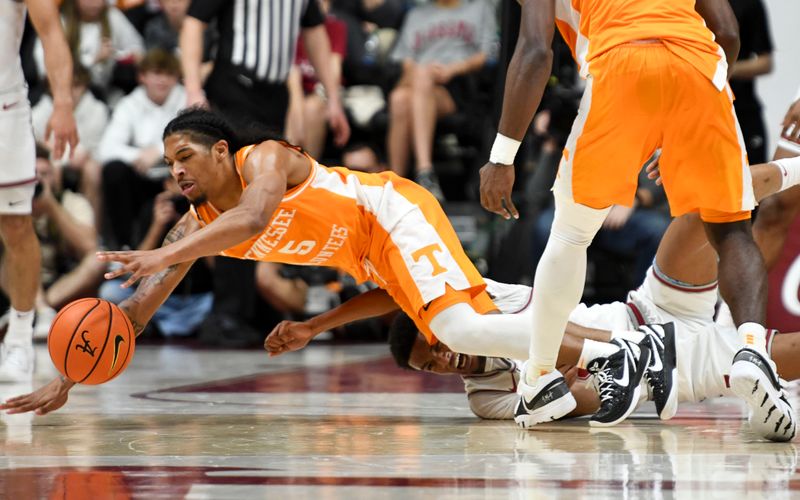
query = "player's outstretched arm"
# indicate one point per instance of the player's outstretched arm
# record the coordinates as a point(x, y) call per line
point(58, 62)
point(526, 78)
point(294, 335)
point(140, 307)
point(267, 170)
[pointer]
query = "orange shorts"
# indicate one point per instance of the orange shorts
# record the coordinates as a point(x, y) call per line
point(420, 261)
point(640, 97)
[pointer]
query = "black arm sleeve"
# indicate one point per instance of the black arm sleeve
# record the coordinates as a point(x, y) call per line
point(312, 16)
point(206, 10)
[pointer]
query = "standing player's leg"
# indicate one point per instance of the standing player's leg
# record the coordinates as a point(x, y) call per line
point(21, 258)
point(613, 135)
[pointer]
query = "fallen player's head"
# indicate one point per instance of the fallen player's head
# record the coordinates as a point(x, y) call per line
point(411, 351)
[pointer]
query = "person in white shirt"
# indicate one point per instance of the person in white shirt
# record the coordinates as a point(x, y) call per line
point(131, 149)
point(100, 37)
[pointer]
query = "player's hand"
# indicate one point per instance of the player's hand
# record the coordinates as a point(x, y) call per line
point(63, 130)
point(617, 217)
point(288, 336)
point(338, 122)
point(654, 171)
point(43, 400)
point(791, 123)
point(196, 98)
point(497, 182)
point(137, 263)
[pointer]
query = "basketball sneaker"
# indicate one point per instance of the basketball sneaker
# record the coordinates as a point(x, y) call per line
point(662, 372)
point(547, 400)
point(754, 379)
point(16, 362)
point(618, 377)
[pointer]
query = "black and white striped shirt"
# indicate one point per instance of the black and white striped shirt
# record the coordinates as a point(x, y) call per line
point(258, 37)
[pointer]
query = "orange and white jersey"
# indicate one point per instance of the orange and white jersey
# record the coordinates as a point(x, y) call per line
point(592, 27)
point(378, 227)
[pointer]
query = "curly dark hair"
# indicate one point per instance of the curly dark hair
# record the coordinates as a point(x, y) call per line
point(207, 127)
point(402, 335)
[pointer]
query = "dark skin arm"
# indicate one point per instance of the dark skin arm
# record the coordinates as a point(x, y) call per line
point(268, 169)
point(140, 307)
point(294, 335)
point(526, 78)
point(721, 20)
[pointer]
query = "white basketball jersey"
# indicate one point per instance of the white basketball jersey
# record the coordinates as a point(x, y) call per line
point(12, 23)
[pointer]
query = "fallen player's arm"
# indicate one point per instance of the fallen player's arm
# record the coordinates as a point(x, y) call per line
point(140, 307)
point(293, 335)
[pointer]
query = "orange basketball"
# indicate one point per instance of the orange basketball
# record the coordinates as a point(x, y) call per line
point(91, 341)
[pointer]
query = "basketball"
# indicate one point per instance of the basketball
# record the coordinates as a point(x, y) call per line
point(91, 341)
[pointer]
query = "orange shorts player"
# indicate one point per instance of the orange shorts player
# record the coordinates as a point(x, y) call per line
point(656, 78)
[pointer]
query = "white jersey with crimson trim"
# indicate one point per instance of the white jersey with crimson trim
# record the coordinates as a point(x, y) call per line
point(12, 24)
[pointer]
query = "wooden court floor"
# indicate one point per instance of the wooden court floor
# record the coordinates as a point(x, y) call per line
point(343, 422)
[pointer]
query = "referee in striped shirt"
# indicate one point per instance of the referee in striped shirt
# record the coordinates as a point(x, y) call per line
point(256, 48)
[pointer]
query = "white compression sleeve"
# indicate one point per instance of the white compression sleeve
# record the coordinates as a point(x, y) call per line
point(559, 280)
point(500, 335)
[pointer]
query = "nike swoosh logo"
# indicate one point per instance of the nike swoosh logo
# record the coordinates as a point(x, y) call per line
point(426, 306)
point(625, 379)
point(657, 365)
point(12, 203)
point(7, 106)
point(117, 341)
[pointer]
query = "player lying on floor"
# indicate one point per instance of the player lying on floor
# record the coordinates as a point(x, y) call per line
point(680, 288)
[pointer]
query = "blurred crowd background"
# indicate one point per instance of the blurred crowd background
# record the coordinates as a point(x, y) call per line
point(420, 83)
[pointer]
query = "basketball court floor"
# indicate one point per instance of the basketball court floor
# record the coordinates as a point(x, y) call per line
point(343, 422)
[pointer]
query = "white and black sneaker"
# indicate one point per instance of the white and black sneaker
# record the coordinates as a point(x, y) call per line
point(753, 378)
point(547, 400)
point(618, 377)
point(662, 372)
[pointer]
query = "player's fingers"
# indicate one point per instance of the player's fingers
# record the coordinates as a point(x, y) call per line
point(24, 407)
point(132, 280)
point(49, 406)
point(116, 273)
point(58, 146)
point(510, 208)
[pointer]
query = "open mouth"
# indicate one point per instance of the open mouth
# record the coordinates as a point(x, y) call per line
point(186, 187)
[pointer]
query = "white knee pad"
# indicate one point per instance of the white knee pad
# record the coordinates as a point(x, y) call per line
point(576, 224)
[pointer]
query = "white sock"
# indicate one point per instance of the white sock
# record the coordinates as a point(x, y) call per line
point(20, 327)
point(593, 350)
point(753, 336)
point(790, 170)
point(634, 336)
point(559, 281)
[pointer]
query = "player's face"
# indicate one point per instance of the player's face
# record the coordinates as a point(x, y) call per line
point(438, 358)
point(192, 166)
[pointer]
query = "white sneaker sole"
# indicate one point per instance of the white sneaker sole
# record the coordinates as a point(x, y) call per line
point(671, 407)
point(552, 411)
point(637, 392)
point(752, 385)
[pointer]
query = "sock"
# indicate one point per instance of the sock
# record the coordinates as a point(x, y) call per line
point(634, 336)
point(790, 170)
point(753, 336)
point(20, 327)
point(593, 350)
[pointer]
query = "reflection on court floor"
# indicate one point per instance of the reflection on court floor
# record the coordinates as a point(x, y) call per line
point(343, 422)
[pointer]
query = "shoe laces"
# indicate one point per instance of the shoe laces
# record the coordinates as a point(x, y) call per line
point(603, 383)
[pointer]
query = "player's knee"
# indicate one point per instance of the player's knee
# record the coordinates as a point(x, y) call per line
point(576, 224)
point(15, 228)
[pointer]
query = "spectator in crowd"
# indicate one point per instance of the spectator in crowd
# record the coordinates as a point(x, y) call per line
point(305, 124)
point(64, 224)
point(755, 60)
point(248, 83)
point(100, 37)
point(439, 45)
point(362, 156)
point(190, 303)
point(91, 117)
point(131, 148)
